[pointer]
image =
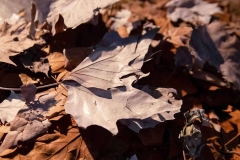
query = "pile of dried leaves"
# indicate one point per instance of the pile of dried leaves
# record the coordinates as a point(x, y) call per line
point(110, 79)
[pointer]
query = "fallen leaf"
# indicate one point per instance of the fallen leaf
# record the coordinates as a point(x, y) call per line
point(27, 80)
point(57, 23)
point(214, 45)
point(176, 35)
point(191, 135)
point(14, 40)
point(57, 109)
point(107, 98)
point(67, 8)
point(56, 62)
point(62, 75)
point(193, 11)
point(59, 146)
point(29, 122)
point(123, 32)
point(15, 102)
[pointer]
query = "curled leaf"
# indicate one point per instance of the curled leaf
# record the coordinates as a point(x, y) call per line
point(191, 136)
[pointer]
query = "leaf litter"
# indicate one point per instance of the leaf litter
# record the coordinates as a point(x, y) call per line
point(116, 80)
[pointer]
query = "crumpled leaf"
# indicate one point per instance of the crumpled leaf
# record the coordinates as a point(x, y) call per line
point(213, 45)
point(192, 11)
point(29, 121)
point(10, 107)
point(191, 136)
point(68, 9)
point(14, 39)
point(104, 94)
point(57, 146)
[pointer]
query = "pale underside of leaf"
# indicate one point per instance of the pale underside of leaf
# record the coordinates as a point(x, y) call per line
point(85, 10)
point(10, 107)
point(104, 94)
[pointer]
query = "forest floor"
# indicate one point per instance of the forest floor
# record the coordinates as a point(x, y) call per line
point(138, 80)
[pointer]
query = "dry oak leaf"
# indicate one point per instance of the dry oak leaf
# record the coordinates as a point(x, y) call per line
point(56, 62)
point(75, 12)
point(59, 146)
point(14, 39)
point(27, 80)
point(30, 120)
point(177, 35)
point(103, 93)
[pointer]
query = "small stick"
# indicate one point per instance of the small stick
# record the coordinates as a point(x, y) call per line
point(232, 139)
point(40, 87)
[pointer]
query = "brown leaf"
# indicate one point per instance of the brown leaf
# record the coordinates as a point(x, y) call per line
point(58, 146)
point(58, 108)
point(27, 80)
point(29, 121)
point(56, 62)
point(14, 40)
point(57, 24)
point(62, 146)
point(177, 34)
point(64, 74)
